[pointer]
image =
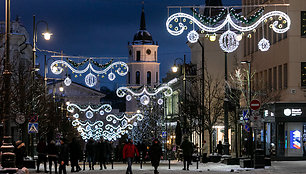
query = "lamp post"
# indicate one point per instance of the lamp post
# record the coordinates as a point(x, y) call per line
point(249, 101)
point(47, 36)
point(8, 156)
point(174, 69)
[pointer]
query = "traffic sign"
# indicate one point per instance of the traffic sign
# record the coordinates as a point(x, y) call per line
point(255, 104)
point(246, 128)
point(32, 128)
point(164, 134)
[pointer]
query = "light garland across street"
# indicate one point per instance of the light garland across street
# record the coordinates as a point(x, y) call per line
point(228, 40)
point(121, 68)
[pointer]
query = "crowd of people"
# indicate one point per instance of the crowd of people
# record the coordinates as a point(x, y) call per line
point(96, 152)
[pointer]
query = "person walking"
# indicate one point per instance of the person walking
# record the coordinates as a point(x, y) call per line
point(52, 155)
point(90, 152)
point(20, 153)
point(63, 156)
point(42, 154)
point(187, 148)
point(220, 148)
point(101, 153)
point(204, 151)
point(128, 153)
point(155, 153)
point(74, 155)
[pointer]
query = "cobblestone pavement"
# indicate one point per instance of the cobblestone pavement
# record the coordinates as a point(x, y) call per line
point(282, 167)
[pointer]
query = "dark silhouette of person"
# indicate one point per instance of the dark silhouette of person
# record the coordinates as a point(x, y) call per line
point(101, 152)
point(90, 152)
point(220, 148)
point(75, 152)
point(155, 153)
point(187, 148)
point(63, 156)
point(128, 153)
point(52, 155)
point(42, 154)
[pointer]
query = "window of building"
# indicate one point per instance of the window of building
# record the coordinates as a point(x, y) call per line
point(156, 78)
point(149, 77)
point(280, 77)
point(265, 79)
point(285, 76)
point(270, 79)
point(155, 56)
point(137, 77)
point(129, 78)
point(274, 78)
point(137, 56)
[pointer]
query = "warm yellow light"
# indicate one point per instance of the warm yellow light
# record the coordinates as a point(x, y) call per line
point(168, 142)
point(47, 35)
point(213, 37)
point(239, 37)
point(174, 69)
point(67, 102)
point(61, 88)
point(138, 111)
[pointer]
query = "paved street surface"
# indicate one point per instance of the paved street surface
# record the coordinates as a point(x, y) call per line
point(282, 167)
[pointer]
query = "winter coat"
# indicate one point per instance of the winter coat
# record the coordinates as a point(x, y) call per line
point(41, 148)
point(187, 148)
point(155, 153)
point(90, 148)
point(64, 153)
point(129, 151)
point(75, 150)
point(101, 151)
point(52, 150)
point(20, 153)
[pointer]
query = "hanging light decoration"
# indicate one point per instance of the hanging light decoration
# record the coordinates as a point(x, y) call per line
point(228, 40)
point(67, 81)
point(90, 78)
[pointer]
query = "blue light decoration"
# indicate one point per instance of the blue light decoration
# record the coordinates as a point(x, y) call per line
point(295, 139)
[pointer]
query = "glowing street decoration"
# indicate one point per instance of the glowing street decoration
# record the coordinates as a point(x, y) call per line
point(77, 122)
point(106, 107)
point(67, 81)
point(228, 41)
point(264, 44)
point(112, 117)
point(160, 101)
point(193, 36)
point(277, 26)
point(145, 100)
point(91, 79)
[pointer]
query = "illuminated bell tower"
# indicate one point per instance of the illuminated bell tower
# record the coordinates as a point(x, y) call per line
point(143, 65)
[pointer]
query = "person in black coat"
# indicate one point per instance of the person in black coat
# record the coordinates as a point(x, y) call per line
point(63, 156)
point(101, 147)
point(187, 148)
point(20, 153)
point(155, 153)
point(90, 153)
point(42, 154)
point(52, 155)
point(75, 153)
point(220, 148)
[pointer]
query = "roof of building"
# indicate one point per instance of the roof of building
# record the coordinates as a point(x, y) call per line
point(143, 36)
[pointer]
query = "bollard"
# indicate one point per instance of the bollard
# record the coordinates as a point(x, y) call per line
point(140, 154)
point(112, 160)
point(84, 160)
point(169, 158)
point(197, 161)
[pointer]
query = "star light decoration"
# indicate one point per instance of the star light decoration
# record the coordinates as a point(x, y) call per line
point(145, 94)
point(228, 40)
point(121, 68)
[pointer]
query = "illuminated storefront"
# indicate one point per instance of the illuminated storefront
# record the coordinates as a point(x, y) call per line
point(285, 127)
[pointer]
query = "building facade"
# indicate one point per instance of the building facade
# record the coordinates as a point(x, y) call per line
point(281, 70)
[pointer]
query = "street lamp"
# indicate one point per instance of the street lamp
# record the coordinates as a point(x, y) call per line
point(174, 69)
point(249, 101)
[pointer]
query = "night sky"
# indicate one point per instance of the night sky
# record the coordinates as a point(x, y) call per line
point(102, 28)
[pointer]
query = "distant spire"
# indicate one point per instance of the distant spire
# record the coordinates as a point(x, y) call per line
point(142, 20)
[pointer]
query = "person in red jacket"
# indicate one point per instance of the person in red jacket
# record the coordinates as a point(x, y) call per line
point(128, 153)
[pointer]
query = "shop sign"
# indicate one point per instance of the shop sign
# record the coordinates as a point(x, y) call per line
point(293, 112)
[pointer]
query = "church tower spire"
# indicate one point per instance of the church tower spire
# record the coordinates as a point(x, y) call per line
point(142, 19)
point(143, 61)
